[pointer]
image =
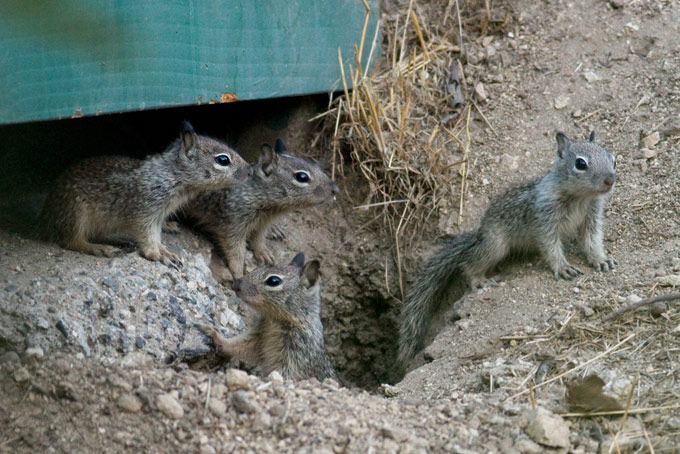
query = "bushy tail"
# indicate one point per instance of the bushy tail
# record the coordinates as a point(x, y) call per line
point(429, 290)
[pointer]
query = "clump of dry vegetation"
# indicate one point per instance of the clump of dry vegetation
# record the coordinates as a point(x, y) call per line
point(406, 124)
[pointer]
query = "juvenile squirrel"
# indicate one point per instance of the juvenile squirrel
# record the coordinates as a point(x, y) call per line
point(288, 336)
point(117, 198)
point(232, 217)
point(537, 216)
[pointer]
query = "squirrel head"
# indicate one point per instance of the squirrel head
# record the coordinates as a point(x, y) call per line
point(207, 163)
point(290, 180)
point(584, 166)
point(285, 293)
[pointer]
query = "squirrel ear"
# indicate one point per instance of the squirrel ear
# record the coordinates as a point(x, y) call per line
point(298, 260)
point(188, 140)
point(310, 273)
point(279, 147)
point(267, 160)
point(592, 136)
point(562, 143)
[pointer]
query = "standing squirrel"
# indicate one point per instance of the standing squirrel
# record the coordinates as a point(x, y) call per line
point(279, 183)
point(288, 336)
point(537, 216)
point(117, 198)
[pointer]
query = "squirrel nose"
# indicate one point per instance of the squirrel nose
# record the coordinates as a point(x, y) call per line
point(334, 188)
point(609, 180)
point(236, 286)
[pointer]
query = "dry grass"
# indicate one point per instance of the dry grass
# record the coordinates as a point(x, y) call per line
point(403, 131)
point(641, 348)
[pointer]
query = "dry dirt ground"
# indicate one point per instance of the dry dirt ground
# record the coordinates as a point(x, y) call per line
point(100, 355)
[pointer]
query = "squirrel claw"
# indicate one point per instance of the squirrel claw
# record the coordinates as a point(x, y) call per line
point(567, 272)
point(605, 265)
point(275, 233)
point(263, 257)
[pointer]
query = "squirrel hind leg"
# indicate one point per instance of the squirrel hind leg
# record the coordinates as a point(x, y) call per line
point(98, 250)
point(488, 253)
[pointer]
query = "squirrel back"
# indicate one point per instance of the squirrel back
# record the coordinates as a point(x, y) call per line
point(113, 198)
point(280, 183)
point(537, 216)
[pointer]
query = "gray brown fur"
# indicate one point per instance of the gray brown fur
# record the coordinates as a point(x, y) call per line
point(117, 198)
point(537, 216)
point(242, 214)
point(288, 337)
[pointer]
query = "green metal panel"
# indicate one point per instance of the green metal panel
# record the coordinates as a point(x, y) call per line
point(70, 58)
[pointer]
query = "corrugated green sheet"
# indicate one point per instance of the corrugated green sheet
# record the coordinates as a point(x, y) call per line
point(70, 58)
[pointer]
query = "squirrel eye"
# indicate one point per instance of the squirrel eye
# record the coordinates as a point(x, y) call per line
point(273, 281)
point(223, 160)
point(302, 177)
point(581, 164)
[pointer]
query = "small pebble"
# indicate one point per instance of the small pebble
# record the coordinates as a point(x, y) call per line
point(34, 352)
point(658, 309)
point(21, 375)
point(236, 379)
point(129, 403)
point(139, 342)
point(111, 283)
point(169, 406)
point(9, 358)
point(243, 402)
point(63, 329)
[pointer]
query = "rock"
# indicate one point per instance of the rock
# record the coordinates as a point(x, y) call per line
point(616, 4)
point(10, 357)
point(217, 407)
point(671, 280)
point(651, 140)
point(590, 76)
point(527, 446)
point(129, 403)
point(561, 102)
point(34, 352)
point(480, 91)
point(237, 379)
point(395, 434)
point(277, 410)
point(658, 309)
point(633, 298)
point(646, 153)
point(177, 310)
point(629, 440)
point(169, 406)
point(63, 328)
point(243, 402)
point(546, 428)
point(262, 421)
point(139, 342)
point(275, 377)
point(207, 449)
point(42, 323)
point(136, 359)
point(111, 283)
point(21, 375)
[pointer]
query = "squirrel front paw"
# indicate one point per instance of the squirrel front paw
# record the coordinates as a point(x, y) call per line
point(567, 272)
point(604, 265)
point(263, 256)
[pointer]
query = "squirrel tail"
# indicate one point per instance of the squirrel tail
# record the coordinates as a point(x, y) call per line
point(428, 292)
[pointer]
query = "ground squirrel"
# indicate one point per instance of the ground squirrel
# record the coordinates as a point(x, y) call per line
point(288, 336)
point(117, 198)
point(279, 183)
point(536, 216)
